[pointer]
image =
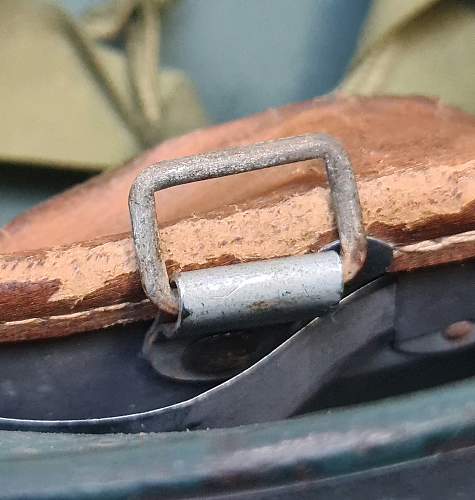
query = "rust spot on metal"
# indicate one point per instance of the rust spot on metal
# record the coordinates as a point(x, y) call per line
point(261, 305)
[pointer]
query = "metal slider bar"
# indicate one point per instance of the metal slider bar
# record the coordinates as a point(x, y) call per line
point(344, 193)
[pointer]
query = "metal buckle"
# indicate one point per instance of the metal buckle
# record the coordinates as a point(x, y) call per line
point(344, 194)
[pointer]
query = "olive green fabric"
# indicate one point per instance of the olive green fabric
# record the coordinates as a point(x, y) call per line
point(71, 100)
point(424, 47)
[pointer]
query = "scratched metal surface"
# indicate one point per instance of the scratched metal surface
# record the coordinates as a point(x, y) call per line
point(401, 438)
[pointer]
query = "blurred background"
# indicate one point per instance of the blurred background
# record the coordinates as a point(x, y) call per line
point(245, 56)
point(86, 85)
point(242, 56)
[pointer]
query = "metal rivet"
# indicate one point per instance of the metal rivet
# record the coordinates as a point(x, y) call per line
point(459, 330)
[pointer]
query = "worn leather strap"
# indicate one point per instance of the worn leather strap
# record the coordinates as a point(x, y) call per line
point(415, 166)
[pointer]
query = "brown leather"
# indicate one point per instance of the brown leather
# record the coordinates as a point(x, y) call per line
point(382, 135)
point(415, 165)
